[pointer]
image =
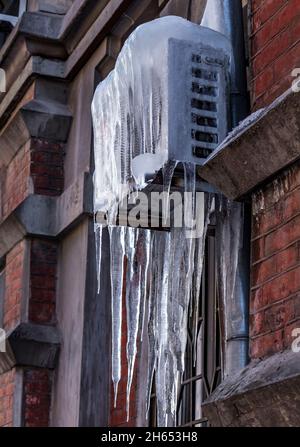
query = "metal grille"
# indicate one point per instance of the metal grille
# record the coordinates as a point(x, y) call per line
point(204, 103)
point(202, 376)
point(198, 100)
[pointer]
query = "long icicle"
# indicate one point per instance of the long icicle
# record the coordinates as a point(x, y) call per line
point(117, 243)
point(133, 303)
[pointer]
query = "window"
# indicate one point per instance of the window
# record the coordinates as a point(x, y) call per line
point(204, 336)
point(11, 10)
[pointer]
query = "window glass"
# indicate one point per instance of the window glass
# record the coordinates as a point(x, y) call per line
point(10, 7)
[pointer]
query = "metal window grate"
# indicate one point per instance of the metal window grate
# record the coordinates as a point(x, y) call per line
point(198, 100)
point(203, 376)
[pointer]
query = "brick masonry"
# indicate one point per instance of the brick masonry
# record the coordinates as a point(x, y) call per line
point(46, 169)
point(41, 295)
point(7, 387)
point(43, 266)
point(37, 397)
point(14, 286)
point(118, 414)
point(275, 270)
point(16, 181)
point(275, 48)
point(275, 273)
point(36, 168)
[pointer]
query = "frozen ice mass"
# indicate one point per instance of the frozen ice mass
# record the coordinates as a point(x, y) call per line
point(156, 273)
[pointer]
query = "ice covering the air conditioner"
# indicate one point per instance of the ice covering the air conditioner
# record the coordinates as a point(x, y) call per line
point(165, 99)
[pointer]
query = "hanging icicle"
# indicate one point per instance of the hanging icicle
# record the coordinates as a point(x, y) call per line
point(157, 273)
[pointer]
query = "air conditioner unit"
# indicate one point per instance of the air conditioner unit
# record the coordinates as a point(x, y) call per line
point(166, 100)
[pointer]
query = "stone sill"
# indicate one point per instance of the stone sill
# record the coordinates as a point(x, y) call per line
point(264, 394)
point(257, 150)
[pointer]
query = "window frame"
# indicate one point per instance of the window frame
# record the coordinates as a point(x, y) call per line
point(14, 19)
point(209, 291)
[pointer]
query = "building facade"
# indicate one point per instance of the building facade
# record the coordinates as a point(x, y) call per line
point(56, 368)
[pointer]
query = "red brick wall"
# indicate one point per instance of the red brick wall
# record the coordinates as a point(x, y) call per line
point(7, 387)
point(37, 397)
point(275, 48)
point(43, 264)
point(118, 415)
point(14, 269)
point(275, 293)
point(47, 172)
point(36, 168)
point(16, 181)
point(36, 393)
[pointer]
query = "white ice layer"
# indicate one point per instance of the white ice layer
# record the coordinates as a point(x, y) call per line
point(130, 108)
point(158, 273)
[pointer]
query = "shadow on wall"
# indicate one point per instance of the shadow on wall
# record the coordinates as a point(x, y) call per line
point(189, 9)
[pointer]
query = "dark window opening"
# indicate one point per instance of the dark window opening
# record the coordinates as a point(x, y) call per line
point(202, 376)
point(10, 7)
point(10, 11)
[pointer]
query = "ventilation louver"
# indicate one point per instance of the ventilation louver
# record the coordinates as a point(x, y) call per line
point(197, 100)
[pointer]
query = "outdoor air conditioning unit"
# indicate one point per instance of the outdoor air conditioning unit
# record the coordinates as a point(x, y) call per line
point(166, 100)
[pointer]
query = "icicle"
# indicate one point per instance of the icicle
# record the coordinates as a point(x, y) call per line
point(190, 222)
point(229, 235)
point(117, 242)
point(162, 284)
point(177, 278)
point(145, 241)
point(152, 309)
point(98, 238)
point(138, 255)
point(168, 173)
point(203, 214)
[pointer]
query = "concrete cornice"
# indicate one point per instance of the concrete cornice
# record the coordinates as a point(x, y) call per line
point(258, 150)
point(36, 26)
point(35, 67)
point(73, 37)
point(79, 31)
point(31, 345)
point(44, 216)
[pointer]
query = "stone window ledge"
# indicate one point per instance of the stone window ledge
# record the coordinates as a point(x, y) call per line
point(264, 394)
point(256, 150)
